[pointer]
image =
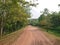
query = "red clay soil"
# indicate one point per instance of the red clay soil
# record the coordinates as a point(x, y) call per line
point(32, 36)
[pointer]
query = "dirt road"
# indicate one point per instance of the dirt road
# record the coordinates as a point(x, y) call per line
point(32, 36)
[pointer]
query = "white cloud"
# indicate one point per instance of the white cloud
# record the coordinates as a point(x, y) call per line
point(52, 5)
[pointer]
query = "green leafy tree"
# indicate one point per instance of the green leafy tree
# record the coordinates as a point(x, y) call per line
point(44, 19)
point(13, 14)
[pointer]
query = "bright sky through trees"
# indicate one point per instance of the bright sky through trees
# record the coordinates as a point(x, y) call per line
point(52, 5)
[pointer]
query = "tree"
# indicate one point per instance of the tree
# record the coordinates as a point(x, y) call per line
point(44, 19)
point(55, 19)
point(11, 12)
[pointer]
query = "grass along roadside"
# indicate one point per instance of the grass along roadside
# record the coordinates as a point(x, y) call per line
point(55, 33)
point(54, 39)
point(10, 38)
point(51, 33)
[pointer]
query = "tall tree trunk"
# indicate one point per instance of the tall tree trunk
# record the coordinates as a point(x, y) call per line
point(2, 20)
point(2, 26)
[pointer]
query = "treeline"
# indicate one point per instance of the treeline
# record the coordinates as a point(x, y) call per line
point(50, 21)
point(13, 15)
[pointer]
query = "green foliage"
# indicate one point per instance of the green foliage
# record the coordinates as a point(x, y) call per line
point(42, 17)
point(33, 22)
point(56, 19)
point(50, 21)
point(13, 15)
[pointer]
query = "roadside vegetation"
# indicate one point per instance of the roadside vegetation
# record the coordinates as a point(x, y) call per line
point(50, 21)
point(14, 15)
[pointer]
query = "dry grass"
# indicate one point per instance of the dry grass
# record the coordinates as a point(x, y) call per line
point(10, 38)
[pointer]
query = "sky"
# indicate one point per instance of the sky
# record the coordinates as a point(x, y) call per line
point(52, 5)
